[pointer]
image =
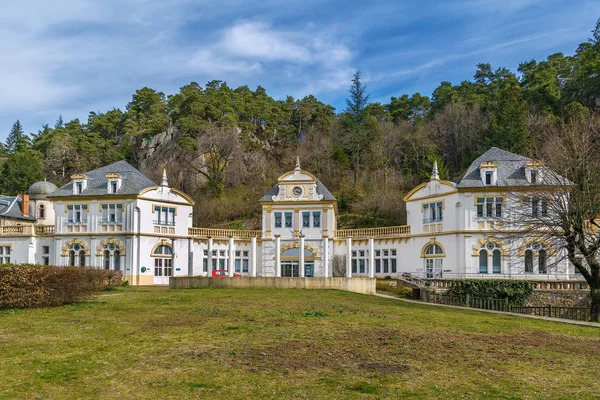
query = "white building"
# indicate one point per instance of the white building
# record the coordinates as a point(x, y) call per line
point(116, 218)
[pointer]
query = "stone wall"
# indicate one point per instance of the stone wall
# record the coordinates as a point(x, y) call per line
point(559, 298)
point(357, 285)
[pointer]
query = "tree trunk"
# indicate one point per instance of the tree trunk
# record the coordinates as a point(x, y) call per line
point(595, 306)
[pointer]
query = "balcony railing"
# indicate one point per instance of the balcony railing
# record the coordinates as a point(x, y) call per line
point(388, 231)
point(44, 230)
point(110, 220)
point(16, 230)
point(223, 233)
point(164, 223)
point(80, 221)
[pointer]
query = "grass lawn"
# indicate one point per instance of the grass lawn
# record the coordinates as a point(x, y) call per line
point(215, 343)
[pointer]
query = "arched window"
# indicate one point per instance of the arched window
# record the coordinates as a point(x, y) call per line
point(434, 249)
point(496, 262)
point(42, 212)
point(483, 262)
point(433, 255)
point(113, 251)
point(528, 262)
point(117, 260)
point(106, 259)
point(163, 261)
point(542, 262)
point(71, 258)
point(76, 255)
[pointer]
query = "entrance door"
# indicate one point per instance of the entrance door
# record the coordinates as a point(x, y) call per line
point(163, 270)
point(433, 267)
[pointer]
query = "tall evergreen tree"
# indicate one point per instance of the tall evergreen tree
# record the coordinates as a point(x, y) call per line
point(17, 140)
point(358, 100)
point(59, 122)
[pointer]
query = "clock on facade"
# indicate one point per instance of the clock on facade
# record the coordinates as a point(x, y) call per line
point(297, 191)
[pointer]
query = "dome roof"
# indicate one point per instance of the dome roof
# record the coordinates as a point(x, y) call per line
point(42, 189)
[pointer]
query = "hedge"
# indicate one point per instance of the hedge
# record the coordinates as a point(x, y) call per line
point(515, 291)
point(25, 286)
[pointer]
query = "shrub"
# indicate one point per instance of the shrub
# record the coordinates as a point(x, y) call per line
point(398, 289)
point(515, 291)
point(29, 285)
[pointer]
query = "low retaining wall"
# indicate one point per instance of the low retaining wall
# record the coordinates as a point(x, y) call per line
point(356, 285)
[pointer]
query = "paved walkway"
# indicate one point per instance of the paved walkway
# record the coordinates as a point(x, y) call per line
point(564, 321)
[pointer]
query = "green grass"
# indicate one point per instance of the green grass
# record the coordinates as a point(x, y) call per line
point(210, 343)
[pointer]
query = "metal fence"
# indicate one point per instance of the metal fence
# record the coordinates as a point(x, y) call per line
point(574, 313)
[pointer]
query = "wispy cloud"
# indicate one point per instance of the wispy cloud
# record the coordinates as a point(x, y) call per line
point(73, 56)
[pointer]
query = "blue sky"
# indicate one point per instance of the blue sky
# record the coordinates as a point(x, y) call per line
point(70, 57)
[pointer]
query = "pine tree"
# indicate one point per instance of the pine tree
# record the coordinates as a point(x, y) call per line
point(17, 140)
point(358, 99)
point(59, 122)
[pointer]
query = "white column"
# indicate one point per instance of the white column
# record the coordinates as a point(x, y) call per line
point(173, 258)
point(209, 261)
point(253, 257)
point(301, 256)
point(231, 257)
point(277, 256)
point(349, 257)
point(325, 256)
point(371, 258)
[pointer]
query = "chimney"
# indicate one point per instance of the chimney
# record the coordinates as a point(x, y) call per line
point(24, 204)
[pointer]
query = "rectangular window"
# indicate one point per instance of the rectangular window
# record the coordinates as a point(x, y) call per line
point(238, 265)
point(205, 265)
point(432, 210)
point(113, 187)
point(46, 249)
point(306, 220)
point(534, 177)
point(544, 208)
point(354, 266)
point(361, 265)
point(79, 188)
point(439, 207)
point(157, 212)
point(245, 265)
point(393, 262)
point(385, 266)
point(316, 219)
point(426, 215)
point(277, 220)
point(377, 266)
point(534, 207)
point(488, 177)
point(288, 219)
point(164, 215)
point(46, 260)
point(499, 207)
point(480, 202)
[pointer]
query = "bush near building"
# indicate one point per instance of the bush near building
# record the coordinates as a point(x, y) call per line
point(516, 291)
point(26, 286)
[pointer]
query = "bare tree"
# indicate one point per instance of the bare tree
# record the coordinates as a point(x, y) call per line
point(338, 266)
point(456, 131)
point(214, 150)
point(563, 206)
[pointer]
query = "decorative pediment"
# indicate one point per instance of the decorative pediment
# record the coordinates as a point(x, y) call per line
point(297, 185)
point(67, 246)
point(118, 244)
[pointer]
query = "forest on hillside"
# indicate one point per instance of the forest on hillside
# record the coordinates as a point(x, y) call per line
point(227, 146)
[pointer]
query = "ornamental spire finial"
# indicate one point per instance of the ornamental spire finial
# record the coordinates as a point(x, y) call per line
point(298, 163)
point(435, 174)
point(164, 181)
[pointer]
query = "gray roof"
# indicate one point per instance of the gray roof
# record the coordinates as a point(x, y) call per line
point(42, 189)
point(321, 190)
point(10, 207)
point(511, 170)
point(133, 182)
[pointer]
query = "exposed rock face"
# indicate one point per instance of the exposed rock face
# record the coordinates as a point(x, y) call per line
point(163, 151)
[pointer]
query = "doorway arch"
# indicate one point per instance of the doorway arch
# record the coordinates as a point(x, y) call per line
point(290, 262)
